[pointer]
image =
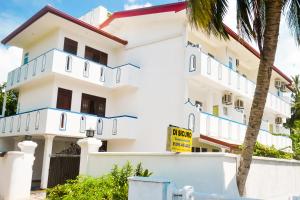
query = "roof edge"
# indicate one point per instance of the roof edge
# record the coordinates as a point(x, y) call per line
point(59, 13)
point(176, 7)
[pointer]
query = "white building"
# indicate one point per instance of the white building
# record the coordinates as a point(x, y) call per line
point(129, 75)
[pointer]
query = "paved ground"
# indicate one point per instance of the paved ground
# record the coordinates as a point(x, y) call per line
point(38, 195)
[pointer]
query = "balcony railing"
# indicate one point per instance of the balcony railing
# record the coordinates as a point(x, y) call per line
point(200, 65)
point(67, 124)
point(226, 129)
point(59, 62)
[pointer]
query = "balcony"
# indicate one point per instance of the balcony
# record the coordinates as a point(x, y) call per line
point(201, 67)
point(225, 129)
point(62, 63)
point(67, 124)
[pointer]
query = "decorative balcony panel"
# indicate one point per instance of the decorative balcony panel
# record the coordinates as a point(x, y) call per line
point(229, 130)
point(59, 62)
point(211, 71)
point(68, 124)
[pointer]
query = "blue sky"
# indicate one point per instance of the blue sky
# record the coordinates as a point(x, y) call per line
point(14, 12)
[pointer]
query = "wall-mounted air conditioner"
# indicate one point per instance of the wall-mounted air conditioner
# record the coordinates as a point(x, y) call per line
point(227, 99)
point(278, 120)
point(277, 83)
point(199, 105)
point(239, 104)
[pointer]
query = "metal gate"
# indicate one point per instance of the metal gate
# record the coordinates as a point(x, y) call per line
point(62, 168)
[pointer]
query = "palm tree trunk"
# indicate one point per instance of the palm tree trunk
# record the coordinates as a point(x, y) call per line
point(272, 16)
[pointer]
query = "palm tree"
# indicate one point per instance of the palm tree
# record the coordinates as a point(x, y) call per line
point(257, 20)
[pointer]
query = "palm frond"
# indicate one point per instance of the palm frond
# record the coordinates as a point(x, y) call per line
point(292, 12)
point(259, 21)
point(208, 16)
point(244, 19)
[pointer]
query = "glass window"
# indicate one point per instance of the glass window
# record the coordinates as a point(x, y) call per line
point(64, 99)
point(70, 46)
point(96, 55)
point(26, 58)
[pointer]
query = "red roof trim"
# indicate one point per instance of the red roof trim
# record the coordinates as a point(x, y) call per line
point(176, 7)
point(220, 142)
point(59, 13)
point(172, 7)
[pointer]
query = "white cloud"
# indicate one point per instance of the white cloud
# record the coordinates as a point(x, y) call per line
point(130, 6)
point(10, 58)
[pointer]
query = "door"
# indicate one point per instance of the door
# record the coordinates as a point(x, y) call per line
point(64, 99)
point(216, 110)
point(93, 105)
point(95, 55)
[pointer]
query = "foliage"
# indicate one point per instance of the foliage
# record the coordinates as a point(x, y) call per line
point(112, 186)
point(11, 101)
point(271, 152)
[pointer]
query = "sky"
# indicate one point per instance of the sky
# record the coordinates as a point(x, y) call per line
point(14, 12)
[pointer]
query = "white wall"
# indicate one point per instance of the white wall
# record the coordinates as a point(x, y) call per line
point(270, 179)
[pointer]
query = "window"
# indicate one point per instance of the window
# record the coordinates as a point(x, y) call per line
point(192, 66)
point(115, 127)
point(203, 149)
point(93, 105)
point(191, 122)
point(64, 99)
point(82, 124)
point(86, 69)
point(63, 121)
point(99, 126)
point(26, 58)
point(68, 67)
point(215, 150)
point(225, 111)
point(196, 149)
point(95, 55)
point(230, 64)
point(70, 46)
point(216, 110)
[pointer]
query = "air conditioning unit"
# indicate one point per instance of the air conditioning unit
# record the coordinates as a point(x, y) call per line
point(277, 83)
point(239, 104)
point(199, 105)
point(283, 87)
point(278, 120)
point(227, 99)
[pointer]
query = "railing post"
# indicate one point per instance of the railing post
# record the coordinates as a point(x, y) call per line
point(87, 145)
point(4, 104)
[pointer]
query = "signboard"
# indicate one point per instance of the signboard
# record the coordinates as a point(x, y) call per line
point(179, 139)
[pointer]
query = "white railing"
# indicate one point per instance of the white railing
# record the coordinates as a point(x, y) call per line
point(56, 61)
point(217, 127)
point(67, 123)
point(200, 65)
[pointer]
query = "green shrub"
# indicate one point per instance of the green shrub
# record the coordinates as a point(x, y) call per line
point(112, 186)
point(271, 152)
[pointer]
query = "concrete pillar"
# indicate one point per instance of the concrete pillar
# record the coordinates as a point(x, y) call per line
point(46, 160)
point(87, 145)
point(4, 104)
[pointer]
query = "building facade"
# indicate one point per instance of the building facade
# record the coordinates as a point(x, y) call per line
point(129, 75)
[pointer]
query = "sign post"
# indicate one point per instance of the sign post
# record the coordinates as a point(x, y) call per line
point(179, 139)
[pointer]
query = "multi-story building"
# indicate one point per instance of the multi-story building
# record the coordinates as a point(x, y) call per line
point(129, 75)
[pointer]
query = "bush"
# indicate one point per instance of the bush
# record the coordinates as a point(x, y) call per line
point(112, 186)
point(271, 152)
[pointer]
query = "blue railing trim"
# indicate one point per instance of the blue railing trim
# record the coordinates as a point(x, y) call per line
point(230, 120)
point(68, 111)
point(239, 74)
point(55, 49)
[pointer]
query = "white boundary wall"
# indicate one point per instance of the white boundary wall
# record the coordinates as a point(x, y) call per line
point(211, 173)
point(16, 172)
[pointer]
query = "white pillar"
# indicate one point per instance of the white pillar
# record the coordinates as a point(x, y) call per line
point(46, 160)
point(87, 145)
point(4, 104)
